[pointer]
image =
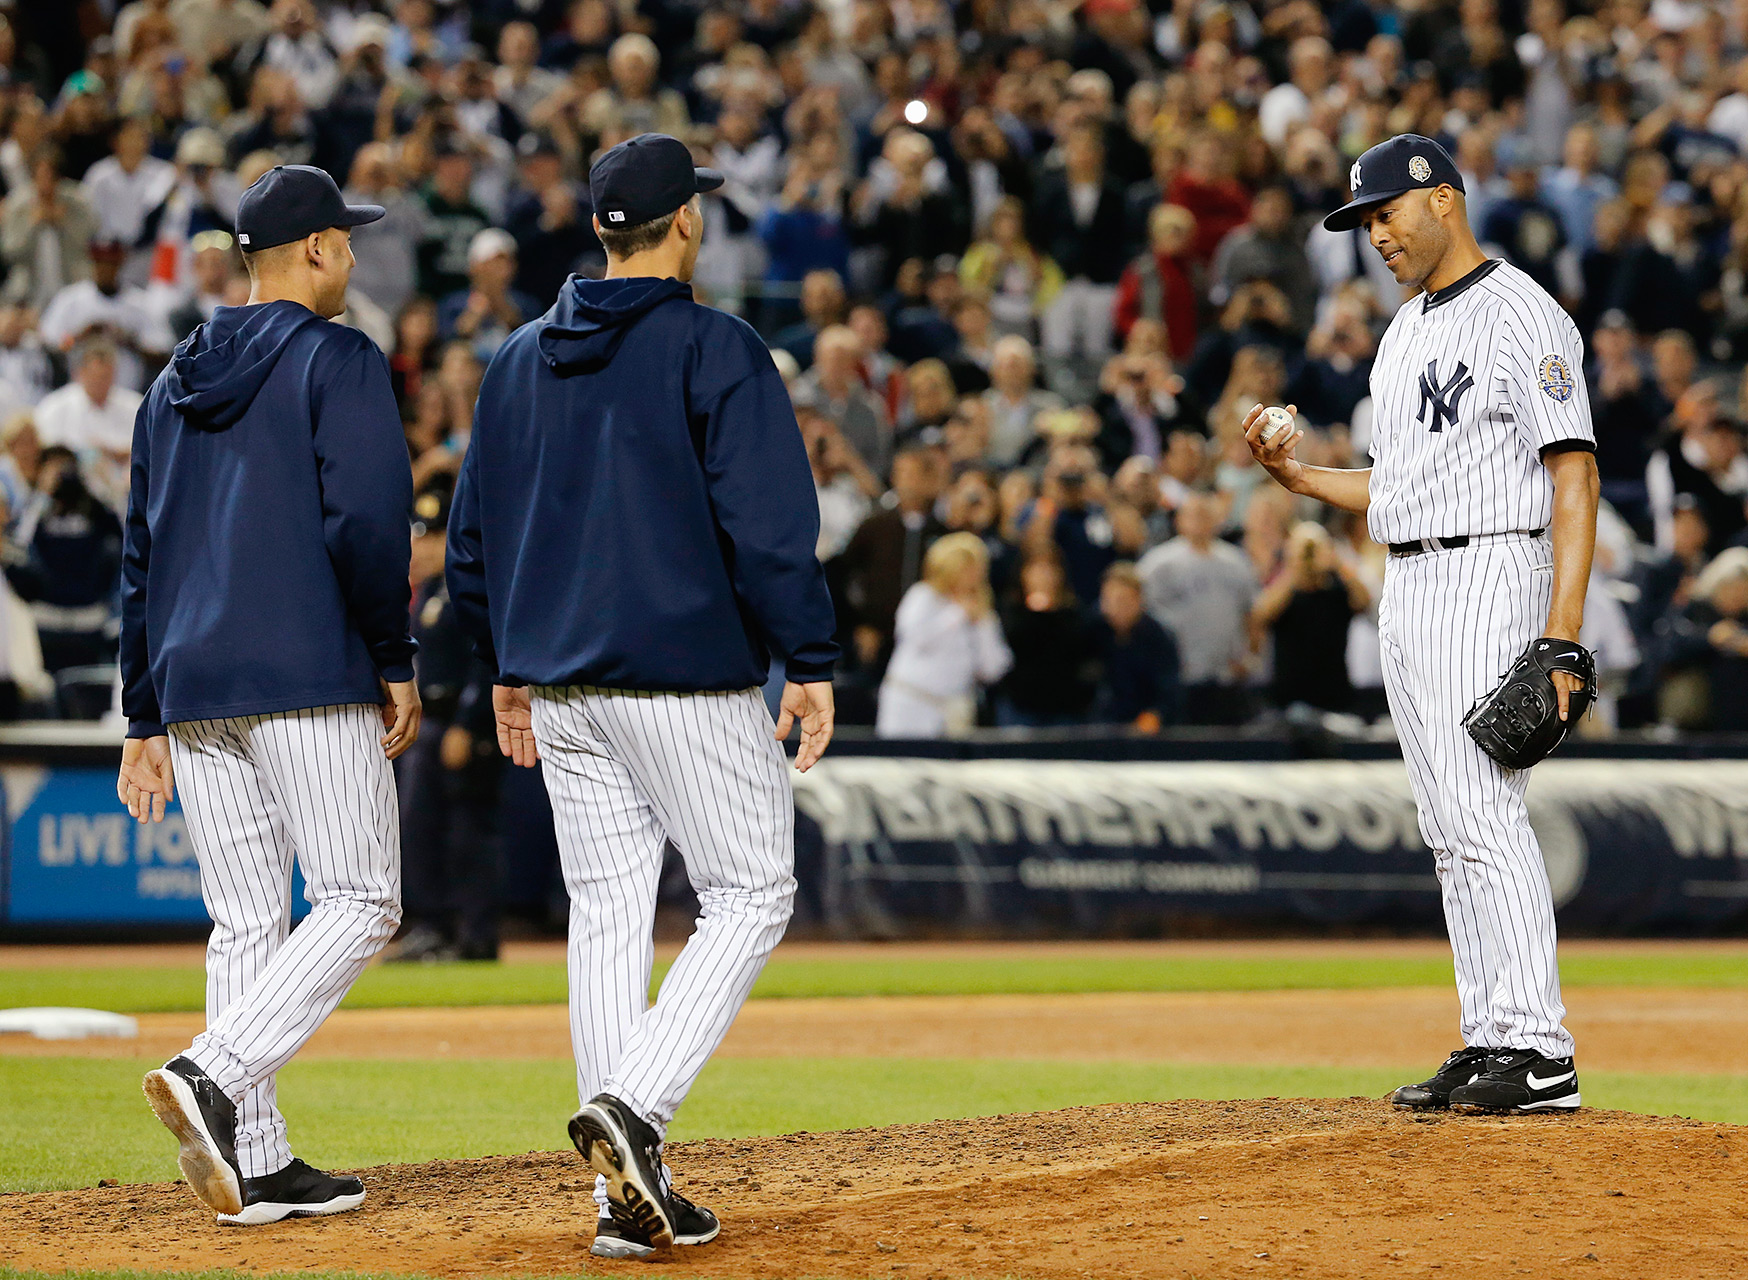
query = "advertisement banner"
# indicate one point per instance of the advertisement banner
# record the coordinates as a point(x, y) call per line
point(1019, 846)
point(73, 856)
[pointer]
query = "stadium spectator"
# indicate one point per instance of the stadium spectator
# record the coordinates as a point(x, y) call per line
point(485, 312)
point(1525, 227)
point(385, 250)
point(822, 304)
point(1015, 400)
point(834, 386)
point(101, 306)
point(1708, 642)
point(203, 199)
point(1138, 665)
point(45, 232)
point(1159, 284)
point(1141, 401)
point(218, 282)
point(452, 220)
point(1055, 654)
point(71, 565)
point(26, 374)
point(548, 214)
point(20, 463)
point(1019, 281)
point(1201, 589)
point(1267, 247)
point(1078, 214)
point(885, 555)
point(122, 188)
point(94, 418)
point(1626, 415)
point(1577, 189)
point(948, 645)
point(1306, 611)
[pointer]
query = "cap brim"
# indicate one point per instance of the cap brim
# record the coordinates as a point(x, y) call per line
point(357, 215)
point(1351, 214)
point(708, 179)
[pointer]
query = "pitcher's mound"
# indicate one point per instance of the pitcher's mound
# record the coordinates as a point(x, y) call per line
point(1274, 1187)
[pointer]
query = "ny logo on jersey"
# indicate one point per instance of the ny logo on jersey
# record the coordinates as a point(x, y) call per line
point(1444, 398)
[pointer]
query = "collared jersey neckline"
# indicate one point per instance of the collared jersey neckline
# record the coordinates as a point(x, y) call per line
point(1455, 287)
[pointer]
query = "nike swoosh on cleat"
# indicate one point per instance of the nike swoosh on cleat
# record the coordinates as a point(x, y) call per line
point(1531, 1080)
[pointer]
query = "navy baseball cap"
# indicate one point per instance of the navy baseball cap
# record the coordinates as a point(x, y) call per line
point(1407, 162)
point(291, 201)
point(645, 178)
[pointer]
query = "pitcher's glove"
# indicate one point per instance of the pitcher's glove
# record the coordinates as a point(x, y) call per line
point(1518, 722)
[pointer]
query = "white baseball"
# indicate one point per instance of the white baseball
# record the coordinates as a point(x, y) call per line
point(1279, 423)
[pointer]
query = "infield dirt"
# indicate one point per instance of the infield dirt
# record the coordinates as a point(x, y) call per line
point(1342, 1189)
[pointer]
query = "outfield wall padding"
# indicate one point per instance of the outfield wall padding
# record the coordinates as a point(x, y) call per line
point(902, 846)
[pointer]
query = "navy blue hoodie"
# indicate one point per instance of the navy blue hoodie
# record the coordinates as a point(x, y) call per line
point(265, 566)
point(636, 509)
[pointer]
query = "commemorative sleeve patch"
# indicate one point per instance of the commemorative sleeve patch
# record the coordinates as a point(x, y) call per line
point(1555, 377)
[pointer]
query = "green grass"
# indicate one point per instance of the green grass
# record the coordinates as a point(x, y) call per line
point(163, 990)
point(66, 1122)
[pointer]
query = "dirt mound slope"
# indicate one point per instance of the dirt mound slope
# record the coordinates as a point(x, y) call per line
point(1335, 1189)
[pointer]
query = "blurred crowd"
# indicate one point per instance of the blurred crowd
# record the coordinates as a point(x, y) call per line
point(1024, 265)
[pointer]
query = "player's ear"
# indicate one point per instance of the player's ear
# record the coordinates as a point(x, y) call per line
point(312, 248)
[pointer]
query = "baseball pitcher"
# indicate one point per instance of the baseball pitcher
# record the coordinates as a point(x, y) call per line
point(1483, 486)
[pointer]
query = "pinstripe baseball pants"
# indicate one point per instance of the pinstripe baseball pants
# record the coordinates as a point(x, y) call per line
point(627, 772)
point(257, 792)
point(1450, 624)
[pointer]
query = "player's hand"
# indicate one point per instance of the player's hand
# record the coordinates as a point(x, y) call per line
point(1565, 685)
point(1276, 457)
point(400, 716)
point(146, 783)
point(812, 704)
point(456, 749)
point(515, 715)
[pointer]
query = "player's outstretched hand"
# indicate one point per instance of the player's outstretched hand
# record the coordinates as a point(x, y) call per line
point(401, 713)
point(811, 704)
point(147, 782)
point(1276, 457)
point(515, 715)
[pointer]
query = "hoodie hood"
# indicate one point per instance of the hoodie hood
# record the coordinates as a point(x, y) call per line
point(591, 317)
point(221, 367)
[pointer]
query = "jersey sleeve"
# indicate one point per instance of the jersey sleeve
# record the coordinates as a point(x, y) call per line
point(1543, 360)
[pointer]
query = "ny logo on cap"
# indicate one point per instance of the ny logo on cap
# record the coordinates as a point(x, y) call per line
point(1443, 399)
point(1353, 176)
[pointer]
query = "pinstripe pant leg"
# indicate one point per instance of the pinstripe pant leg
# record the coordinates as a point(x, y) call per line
point(610, 847)
point(718, 783)
point(1488, 603)
point(325, 773)
point(245, 860)
point(1471, 954)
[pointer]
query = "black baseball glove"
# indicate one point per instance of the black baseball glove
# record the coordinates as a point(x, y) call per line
point(1518, 722)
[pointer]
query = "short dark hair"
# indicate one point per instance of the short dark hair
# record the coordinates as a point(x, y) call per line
point(254, 261)
point(623, 242)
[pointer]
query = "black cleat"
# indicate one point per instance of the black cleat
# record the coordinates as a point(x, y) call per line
point(623, 1148)
point(693, 1224)
point(1519, 1080)
point(296, 1191)
point(205, 1122)
point(1435, 1094)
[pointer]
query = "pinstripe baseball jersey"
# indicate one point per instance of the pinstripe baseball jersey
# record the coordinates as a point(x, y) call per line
point(1470, 384)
